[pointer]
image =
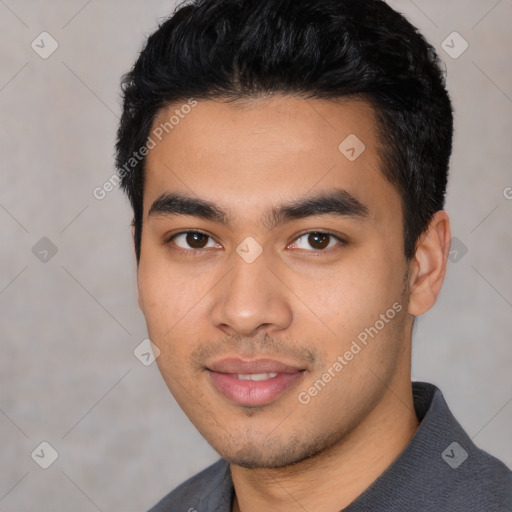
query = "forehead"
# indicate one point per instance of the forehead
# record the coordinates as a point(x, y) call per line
point(241, 155)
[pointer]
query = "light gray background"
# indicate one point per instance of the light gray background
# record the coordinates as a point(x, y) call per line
point(69, 326)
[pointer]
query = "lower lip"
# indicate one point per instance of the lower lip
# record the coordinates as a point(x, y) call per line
point(253, 393)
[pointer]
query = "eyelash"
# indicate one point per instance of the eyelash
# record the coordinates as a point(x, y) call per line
point(197, 252)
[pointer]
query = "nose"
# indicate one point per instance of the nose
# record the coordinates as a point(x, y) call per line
point(251, 300)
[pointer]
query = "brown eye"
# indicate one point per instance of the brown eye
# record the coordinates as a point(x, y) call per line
point(319, 240)
point(193, 240)
point(196, 240)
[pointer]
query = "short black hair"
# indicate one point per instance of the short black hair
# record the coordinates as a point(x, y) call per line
point(326, 49)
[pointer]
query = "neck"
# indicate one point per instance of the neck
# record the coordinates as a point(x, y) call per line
point(333, 479)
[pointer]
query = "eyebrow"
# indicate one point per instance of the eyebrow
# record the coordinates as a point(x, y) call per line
point(336, 202)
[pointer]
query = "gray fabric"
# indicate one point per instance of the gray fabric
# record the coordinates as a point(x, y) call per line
point(431, 474)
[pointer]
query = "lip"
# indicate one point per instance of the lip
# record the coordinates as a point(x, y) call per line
point(236, 365)
point(252, 393)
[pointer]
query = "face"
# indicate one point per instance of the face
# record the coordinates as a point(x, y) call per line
point(272, 273)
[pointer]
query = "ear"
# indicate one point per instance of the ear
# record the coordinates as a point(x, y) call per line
point(132, 229)
point(139, 299)
point(428, 266)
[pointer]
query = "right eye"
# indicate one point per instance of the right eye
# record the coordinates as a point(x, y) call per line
point(193, 241)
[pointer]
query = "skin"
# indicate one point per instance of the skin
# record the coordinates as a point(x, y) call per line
point(296, 302)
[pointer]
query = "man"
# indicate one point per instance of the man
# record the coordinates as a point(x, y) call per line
point(286, 162)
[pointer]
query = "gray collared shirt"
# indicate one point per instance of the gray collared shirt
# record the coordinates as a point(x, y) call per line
point(441, 470)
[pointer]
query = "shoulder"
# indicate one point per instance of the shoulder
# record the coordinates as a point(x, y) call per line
point(464, 476)
point(441, 469)
point(481, 482)
point(211, 489)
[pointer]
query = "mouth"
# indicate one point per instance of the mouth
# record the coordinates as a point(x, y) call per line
point(253, 383)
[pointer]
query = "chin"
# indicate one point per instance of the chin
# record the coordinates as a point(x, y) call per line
point(275, 453)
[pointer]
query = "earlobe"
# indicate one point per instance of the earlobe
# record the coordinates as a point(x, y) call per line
point(139, 295)
point(428, 266)
point(139, 300)
point(132, 229)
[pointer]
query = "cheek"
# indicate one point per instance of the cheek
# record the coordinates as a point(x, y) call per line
point(166, 290)
point(351, 299)
point(174, 306)
point(159, 303)
point(356, 294)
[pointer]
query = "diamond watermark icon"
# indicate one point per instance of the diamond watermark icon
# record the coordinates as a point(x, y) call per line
point(249, 249)
point(146, 352)
point(454, 45)
point(454, 455)
point(352, 147)
point(44, 455)
point(457, 250)
point(44, 45)
point(44, 250)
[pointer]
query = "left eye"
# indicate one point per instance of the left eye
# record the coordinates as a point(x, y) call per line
point(193, 240)
point(316, 240)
